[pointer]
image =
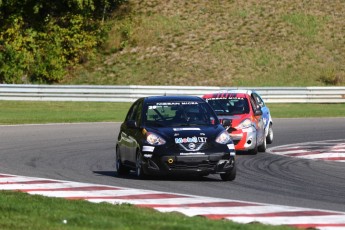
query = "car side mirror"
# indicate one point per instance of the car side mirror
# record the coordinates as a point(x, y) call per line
point(226, 122)
point(132, 124)
point(258, 112)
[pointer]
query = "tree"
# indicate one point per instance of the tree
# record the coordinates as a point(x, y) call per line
point(39, 39)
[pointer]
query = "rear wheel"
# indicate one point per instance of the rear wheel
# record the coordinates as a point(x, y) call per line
point(229, 176)
point(120, 168)
point(269, 138)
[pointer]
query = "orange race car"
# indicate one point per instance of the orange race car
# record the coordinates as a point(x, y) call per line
point(251, 122)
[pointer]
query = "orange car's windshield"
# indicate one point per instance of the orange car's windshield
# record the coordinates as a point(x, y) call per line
point(229, 106)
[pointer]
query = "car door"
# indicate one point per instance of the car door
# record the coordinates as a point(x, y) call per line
point(129, 134)
point(265, 111)
point(259, 119)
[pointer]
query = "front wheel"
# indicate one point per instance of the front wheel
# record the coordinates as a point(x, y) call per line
point(139, 171)
point(229, 176)
point(263, 146)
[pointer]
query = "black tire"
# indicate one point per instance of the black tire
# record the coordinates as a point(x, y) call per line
point(263, 146)
point(269, 138)
point(230, 176)
point(120, 168)
point(139, 171)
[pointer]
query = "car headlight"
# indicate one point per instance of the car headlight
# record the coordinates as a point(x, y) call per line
point(223, 138)
point(154, 139)
point(245, 124)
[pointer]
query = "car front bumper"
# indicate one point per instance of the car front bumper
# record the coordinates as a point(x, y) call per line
point(192, 164)
point(244, 139)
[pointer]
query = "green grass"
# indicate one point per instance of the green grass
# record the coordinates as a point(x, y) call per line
point(23, 211)
point(306, 110)
point(29, 112)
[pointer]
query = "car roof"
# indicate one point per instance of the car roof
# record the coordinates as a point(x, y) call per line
point(226, 93)
point(154, 99)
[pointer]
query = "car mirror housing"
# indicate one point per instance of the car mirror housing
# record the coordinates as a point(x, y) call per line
point(132, 124)
point(226, 122)
point(258, 112)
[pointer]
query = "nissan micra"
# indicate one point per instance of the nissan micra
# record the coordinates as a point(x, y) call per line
point(174, 135)
point(251, 121)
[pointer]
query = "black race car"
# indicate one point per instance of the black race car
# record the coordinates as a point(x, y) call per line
point(174, 134)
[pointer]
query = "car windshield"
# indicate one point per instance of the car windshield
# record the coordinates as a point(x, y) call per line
point(229, 106)
point(176, 114)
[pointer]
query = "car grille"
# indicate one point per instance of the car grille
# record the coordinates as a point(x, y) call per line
point(193, 146)
point(193, 166)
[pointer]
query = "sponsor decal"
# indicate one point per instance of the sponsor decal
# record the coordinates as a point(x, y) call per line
point(265, 120)
point(177, 103)
point(190, 140)
point(192, 153)
point(153, 107)
point(186, 129)
point(231, 97)
point(148, 148)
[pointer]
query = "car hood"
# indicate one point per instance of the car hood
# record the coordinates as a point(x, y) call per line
point(232, 117)
point(174, 133)
point(236, 119)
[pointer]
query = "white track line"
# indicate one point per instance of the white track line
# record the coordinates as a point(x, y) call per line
point(332, 150)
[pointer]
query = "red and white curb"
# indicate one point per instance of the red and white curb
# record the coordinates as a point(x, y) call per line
point(332, 150)
point(214, 208)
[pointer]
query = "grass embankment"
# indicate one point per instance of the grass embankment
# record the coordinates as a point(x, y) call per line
point(28, 112)
point(22, 211)
point(222, 43)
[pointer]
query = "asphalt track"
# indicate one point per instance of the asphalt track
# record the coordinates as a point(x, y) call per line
point(85, 153)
